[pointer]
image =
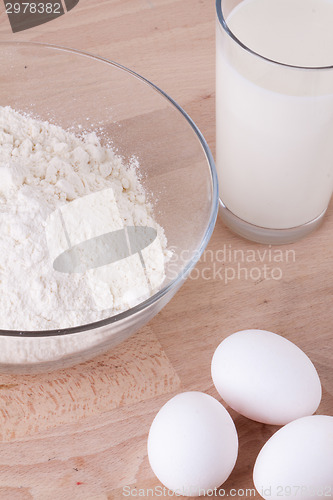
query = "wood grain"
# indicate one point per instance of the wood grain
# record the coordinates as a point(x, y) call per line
point(81, 433)
point(132, 372)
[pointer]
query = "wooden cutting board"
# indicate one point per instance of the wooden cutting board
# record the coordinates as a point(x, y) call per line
point(81, 433)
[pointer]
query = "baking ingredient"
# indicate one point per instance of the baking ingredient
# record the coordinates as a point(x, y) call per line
point(122, 264)
point(265, 377)
point(307, 30)
point(192, 444)
point(297, 461)
point(43, 170)
point(274, 123)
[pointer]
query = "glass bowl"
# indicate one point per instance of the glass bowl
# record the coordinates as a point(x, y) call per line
point(79, 91)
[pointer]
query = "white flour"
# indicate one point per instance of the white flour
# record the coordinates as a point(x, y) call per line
point(43, 168)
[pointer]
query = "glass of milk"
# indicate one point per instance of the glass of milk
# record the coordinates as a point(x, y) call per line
point(274, 114)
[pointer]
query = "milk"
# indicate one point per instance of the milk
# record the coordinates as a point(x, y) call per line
point(274, 152)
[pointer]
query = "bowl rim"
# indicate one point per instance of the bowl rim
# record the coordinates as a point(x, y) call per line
point(209, 230)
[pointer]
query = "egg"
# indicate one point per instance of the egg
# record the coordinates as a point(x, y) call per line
point(192, 444)
point(265, 377)
point(297, 461)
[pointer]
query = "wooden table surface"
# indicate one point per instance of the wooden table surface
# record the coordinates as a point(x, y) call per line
point(81, 433)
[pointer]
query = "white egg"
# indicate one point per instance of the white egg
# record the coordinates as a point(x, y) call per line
point(265, 377)
point(192, 444)
point(297, 461)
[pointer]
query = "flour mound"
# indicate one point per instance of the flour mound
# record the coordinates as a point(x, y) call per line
point(43, 168)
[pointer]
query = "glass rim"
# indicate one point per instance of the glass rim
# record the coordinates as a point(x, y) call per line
point(208, 232)
point(223, 23)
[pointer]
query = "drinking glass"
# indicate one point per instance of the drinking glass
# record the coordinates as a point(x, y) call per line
point(274, 142)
